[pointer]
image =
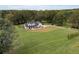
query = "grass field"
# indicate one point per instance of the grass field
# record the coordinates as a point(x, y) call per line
point(53, 41)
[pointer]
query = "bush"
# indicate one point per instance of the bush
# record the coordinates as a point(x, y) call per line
point(6, 35)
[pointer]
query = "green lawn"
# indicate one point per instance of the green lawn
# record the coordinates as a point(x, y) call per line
point(54, 41)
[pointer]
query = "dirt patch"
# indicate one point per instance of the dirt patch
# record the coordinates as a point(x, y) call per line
point(40, 30)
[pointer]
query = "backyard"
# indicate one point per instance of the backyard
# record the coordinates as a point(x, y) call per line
point(53, 41)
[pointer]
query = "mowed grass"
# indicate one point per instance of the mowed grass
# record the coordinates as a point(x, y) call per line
point(54, 41)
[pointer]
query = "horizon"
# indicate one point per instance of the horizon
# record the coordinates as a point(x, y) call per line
point(38, 7)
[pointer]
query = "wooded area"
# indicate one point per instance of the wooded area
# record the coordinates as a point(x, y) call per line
point(57, 17)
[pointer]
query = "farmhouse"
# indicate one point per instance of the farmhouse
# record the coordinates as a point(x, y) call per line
point(32, 24)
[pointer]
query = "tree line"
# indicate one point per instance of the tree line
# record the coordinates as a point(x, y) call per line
point(55, 17)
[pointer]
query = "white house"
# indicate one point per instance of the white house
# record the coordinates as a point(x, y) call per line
point(33, 24)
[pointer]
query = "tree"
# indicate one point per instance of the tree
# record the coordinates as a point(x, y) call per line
point(74, 21)
point(60, 18)
point(6, 35)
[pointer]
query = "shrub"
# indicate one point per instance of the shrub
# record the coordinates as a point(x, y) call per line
point(6, 35)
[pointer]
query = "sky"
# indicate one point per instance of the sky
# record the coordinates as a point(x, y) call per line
point(37, 7)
